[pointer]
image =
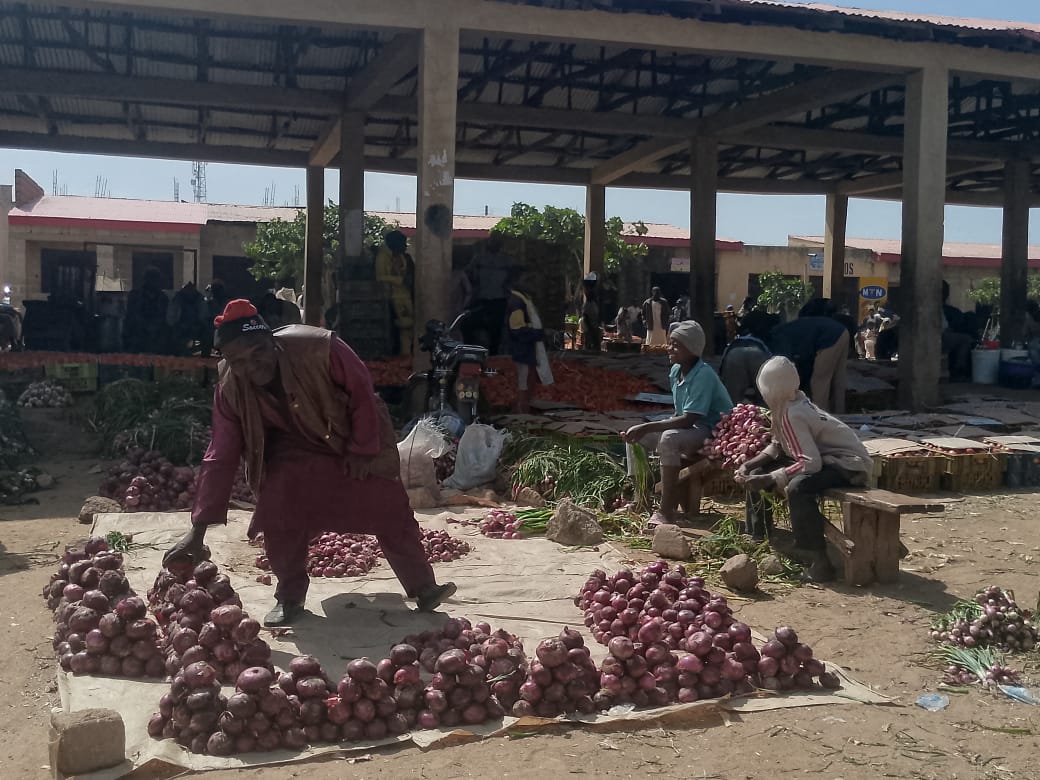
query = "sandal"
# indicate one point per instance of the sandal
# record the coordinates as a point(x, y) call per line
point(656, 520)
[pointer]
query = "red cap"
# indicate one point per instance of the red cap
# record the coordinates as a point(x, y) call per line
point(238, 309)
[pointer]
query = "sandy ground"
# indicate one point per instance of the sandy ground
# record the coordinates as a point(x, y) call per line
point(880, 634)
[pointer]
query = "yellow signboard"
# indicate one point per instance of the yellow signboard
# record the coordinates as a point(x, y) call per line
point(873, 291)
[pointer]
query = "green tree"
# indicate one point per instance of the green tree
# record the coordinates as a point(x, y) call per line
point(987, 291)
point(566, 228)
point(783, 294)
point(278, 250)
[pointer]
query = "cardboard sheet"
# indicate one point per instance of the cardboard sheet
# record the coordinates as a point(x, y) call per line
point(525, 586)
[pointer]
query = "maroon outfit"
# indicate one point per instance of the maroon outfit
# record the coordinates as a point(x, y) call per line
point(305, 490)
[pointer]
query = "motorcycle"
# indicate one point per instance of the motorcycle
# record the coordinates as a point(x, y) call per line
point(10, 323)
point(452, 383)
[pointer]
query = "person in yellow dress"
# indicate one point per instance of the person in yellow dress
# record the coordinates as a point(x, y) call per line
point(397, 268)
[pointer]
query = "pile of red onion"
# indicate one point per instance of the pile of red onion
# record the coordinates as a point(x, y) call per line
point(146, 481)
point(204, 621)
point(738, 436)
point(364, 706)
point(191, 710)
point(354, 555)
point(440, 547)
point(637, 673)
point(654, 611)
point(101, 626)
point(563, 679)
point(500, 524)
point(786, 664)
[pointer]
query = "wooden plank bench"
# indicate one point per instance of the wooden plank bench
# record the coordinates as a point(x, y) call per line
point(868, 540)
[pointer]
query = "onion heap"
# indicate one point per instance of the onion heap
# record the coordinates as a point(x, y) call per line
point(45, 394)
point(401, 671)
point(101, 625)
point(309, 689)
point(146, 481)
point(191, 710)
point(208, 624)
point(563, 679)
point(657, 604)
point(337, 555)
point(787, 664)
point(185, 595)
point(440, 547)
point(638, 673)
point(996, 674)
point(500, 524)
point(997, 621)
point(738, 436)
point(364, 707)
point(458, 693)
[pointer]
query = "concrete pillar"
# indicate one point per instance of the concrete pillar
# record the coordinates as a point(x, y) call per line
point(106, 264)
point(924, 194)
point(834, 246)
point(354, 262)
point(438, 93)
point(704, 159)
point(6, 202)
point(314, 260)
point(1014, 266)
point(595, 228)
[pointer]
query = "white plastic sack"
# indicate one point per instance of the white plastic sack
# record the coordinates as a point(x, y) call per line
point(477, 458)
point(418, 450)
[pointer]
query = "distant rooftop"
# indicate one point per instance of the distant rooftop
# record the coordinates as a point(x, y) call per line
point(890, 250)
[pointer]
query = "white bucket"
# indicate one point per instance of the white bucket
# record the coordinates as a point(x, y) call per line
point(1007, 355)
point(985, 365)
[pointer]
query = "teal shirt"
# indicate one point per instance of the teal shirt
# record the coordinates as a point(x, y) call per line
point(700, 392)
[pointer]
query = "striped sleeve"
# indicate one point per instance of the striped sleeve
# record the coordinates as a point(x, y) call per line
point(800, 445)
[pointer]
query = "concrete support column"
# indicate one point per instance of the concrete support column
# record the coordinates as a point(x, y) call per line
point(352, 201)
point(1014, 266)
point(924, 195)
point(189, 258)
point(314, 260)
point(704, 159)
point(438, 95)
point(595, 228)
point(106, 263)
point(834, 245)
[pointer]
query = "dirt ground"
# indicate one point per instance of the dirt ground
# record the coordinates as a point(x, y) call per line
point(879, 634)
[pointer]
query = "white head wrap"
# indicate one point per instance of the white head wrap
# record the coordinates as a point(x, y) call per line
point(778, 383)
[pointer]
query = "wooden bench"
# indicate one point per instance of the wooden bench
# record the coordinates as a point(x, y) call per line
point(691, 484)
point(868, 540)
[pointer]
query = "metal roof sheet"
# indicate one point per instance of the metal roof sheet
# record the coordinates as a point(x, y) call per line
point(894, 247)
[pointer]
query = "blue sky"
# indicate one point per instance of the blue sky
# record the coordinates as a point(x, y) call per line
point(753, 219)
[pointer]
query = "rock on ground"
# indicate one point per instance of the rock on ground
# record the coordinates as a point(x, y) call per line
point(97, 505)
point(573, 525)
point(770, 566)
point(740, 573)
point(86, 741)
point(669, 542)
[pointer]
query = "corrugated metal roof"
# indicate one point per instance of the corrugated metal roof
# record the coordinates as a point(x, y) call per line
point(113, 209)
point(967, 23)
point(893, 247)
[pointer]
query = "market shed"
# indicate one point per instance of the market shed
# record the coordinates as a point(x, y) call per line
point(699, 95)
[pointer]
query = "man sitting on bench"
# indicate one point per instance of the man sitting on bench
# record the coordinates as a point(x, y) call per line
point(811, 452)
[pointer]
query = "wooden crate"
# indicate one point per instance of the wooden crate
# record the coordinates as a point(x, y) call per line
point(904, 466)
point(972, 473)
point(969, 465)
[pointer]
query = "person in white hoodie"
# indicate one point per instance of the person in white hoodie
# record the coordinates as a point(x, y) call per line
point(811, 452)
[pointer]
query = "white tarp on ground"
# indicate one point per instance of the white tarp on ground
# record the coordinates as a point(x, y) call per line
point(526, 587)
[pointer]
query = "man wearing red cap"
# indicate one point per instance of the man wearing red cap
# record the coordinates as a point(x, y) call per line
point(320, 452)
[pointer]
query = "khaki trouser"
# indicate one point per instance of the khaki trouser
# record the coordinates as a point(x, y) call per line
point(828, 376)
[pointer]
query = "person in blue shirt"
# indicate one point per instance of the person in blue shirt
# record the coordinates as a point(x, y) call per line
point(819, 348)
point(700, 400)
